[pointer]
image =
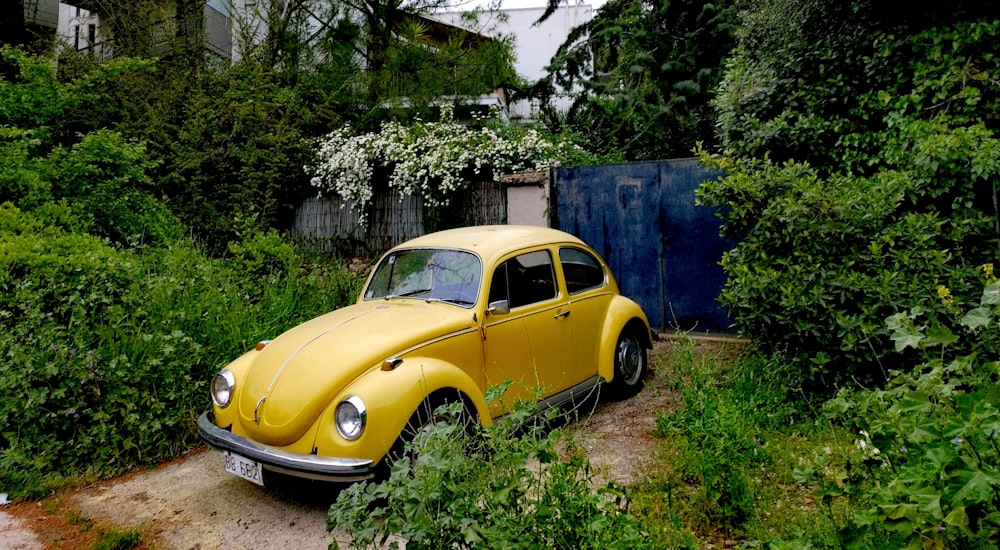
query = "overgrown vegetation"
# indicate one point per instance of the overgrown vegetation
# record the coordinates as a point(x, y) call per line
point(640, 76)
point(516, 484)
point(113, 320)
point(864, 187)
point(859, 147)
point(109, 351)
point(142, 204)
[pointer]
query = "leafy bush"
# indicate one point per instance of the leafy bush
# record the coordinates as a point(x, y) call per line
point(106, 182)
point(515, 485)
point(239, 153)
point(644, 97)
point(925, 471)
point(824, 83)
point(858, 178)
point(110, 352)
point(821, 261)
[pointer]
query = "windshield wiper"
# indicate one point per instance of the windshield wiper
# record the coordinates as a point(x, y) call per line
point(456, 301)
point(407, 294)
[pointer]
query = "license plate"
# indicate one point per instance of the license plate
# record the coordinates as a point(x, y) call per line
point(244, 467)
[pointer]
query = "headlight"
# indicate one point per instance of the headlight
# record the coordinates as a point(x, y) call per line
point(351, 417)
point(222, 388)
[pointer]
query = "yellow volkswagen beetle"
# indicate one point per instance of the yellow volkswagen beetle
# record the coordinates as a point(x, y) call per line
point(442, 318)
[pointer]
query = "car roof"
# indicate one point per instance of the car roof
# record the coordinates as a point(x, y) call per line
point(492, 240)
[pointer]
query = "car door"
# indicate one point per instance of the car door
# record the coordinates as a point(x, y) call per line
point(528, 338)
point(588, 299)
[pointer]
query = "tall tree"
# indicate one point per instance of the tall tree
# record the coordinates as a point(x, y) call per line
point(642, 74)
point(861, 167)
point(800, 82)
point(396, 52)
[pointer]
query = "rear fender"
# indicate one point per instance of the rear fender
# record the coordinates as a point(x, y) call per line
point(622, 314)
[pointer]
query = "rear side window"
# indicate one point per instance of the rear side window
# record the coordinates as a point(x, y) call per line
point(524, 279)
point(582, 270)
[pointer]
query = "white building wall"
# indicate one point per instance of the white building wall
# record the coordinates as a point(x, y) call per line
point(79, 29)
point(528, 205)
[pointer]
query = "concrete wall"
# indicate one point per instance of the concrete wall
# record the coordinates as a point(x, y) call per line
point(528, 199)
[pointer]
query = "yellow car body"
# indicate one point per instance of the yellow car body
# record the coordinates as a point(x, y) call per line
point(442, 317)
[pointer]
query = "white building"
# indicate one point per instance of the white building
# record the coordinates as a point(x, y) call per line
point(80, 29)
point(534, 45)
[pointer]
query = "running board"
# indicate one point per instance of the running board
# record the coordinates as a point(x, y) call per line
point(581, 390)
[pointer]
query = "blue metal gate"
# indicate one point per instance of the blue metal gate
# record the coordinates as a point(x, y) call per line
point(662, 248)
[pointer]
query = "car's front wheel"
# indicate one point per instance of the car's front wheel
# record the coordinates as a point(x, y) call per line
point(630, 366)
point(449, 411)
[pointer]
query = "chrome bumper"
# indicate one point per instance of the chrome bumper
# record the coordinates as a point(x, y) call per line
point(294, 464)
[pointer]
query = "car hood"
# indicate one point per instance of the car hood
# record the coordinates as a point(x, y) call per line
point(293, 379)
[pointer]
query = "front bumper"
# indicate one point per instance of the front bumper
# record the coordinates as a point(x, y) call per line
point(307, 466)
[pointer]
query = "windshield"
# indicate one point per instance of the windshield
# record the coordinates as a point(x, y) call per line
point(427, 273)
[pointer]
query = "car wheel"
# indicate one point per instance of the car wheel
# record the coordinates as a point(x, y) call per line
point(630, 366)
point(427, 415)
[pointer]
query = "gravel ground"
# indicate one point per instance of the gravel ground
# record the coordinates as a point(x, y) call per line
point(192, 503)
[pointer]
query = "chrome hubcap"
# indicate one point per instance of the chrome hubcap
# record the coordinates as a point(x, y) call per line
point(630, 360)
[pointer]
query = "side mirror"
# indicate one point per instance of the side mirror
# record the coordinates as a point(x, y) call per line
point(499, 307)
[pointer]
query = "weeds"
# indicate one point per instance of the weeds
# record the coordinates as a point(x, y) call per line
point(118, 539)
point(513, 485)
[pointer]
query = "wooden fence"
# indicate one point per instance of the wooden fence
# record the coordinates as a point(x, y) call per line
point(331, 225)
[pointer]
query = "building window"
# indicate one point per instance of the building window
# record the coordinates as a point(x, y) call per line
point(76, 37)
point(92, 34)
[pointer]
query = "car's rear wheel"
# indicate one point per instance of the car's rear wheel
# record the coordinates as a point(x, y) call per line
point(630, 365)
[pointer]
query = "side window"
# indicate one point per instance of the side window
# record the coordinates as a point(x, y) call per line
point(582, 270)
point(524, 280)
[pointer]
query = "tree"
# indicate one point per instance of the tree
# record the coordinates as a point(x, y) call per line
point(389, 53)
point(806, 77)
point(861, 158)
point(642, 75)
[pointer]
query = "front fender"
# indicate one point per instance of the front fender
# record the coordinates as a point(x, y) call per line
point(621, 313)
point(391, 397)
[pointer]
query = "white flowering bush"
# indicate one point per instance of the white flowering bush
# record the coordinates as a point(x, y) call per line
point(431, 159)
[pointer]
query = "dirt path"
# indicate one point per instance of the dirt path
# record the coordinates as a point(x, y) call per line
point(192, 503)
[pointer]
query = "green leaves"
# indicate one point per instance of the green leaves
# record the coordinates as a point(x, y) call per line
point(513, 485)
point(110, 350)
point(642, 75)
point(939, 469)
point(856, 177)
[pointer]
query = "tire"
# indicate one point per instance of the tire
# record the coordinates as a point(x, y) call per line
point(630, 366)
point(423, 419)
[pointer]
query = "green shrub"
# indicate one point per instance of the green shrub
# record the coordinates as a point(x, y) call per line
point(859, 175)
point(239, 152)
point(105, 180)
point(515, 485)
point(925, 470)
point(821, 261)
point(109, 353)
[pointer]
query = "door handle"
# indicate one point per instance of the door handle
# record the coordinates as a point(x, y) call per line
point(563, 314)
